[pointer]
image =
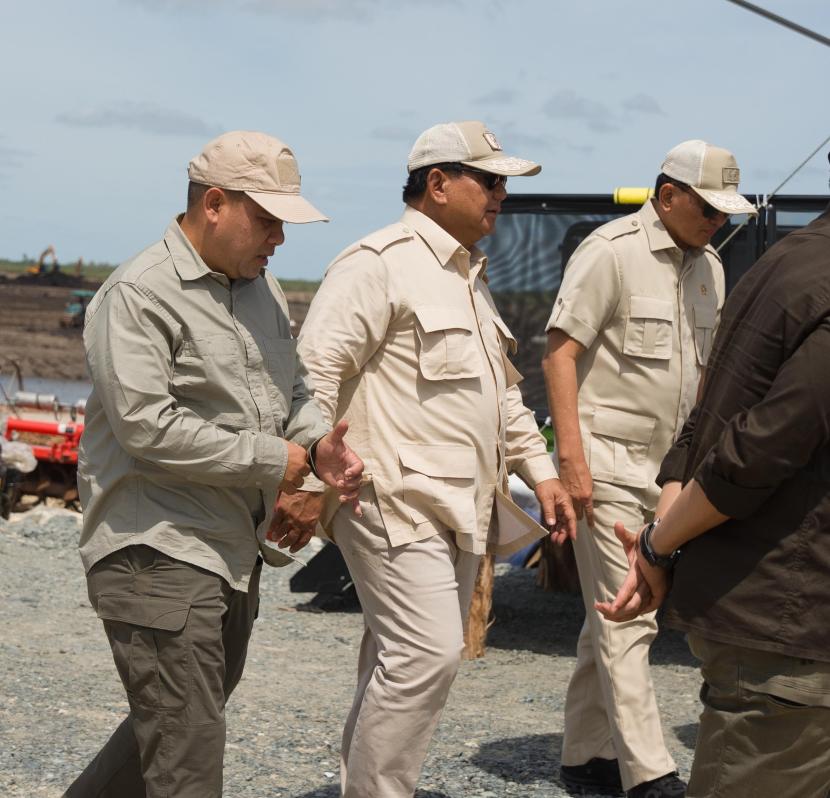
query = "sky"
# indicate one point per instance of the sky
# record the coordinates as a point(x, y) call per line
point(104, 102)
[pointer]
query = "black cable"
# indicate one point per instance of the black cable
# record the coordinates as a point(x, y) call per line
point(781, 21)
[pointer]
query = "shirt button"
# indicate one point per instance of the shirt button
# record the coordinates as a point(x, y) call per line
point(634, 222)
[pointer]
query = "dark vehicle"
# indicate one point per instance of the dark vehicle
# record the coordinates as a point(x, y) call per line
point(537, 233)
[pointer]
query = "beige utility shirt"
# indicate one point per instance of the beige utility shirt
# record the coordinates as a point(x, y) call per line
point(404, 341)
point(646, 312)
point(196, 386)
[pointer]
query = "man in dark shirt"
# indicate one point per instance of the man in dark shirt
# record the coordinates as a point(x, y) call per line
point(753, 592)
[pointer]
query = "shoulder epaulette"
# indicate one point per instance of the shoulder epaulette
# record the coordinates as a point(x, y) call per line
point(625, 225)
point(386, 236)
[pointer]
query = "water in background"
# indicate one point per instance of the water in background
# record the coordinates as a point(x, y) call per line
point(67, 391)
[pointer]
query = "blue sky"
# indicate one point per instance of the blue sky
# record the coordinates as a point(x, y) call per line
point(105, 101)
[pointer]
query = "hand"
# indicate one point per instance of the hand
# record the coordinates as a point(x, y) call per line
point(577, 480)
point(644, 587)
point(295, 469)
point(337, 465)
point(295, 519)
point(557, 511)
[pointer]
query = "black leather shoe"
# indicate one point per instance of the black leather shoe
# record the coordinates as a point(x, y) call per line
point(668, 786)
point(596, 777)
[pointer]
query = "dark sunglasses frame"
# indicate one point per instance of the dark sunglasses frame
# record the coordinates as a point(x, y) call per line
point(489, 180)
point(709, 211)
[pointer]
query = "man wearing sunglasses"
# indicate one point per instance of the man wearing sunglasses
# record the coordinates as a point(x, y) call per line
point(628, 340)
point(404, 341)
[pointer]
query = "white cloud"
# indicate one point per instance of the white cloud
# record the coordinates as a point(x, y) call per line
point(145, 117)
point(567, 104)
point(502, 96)
point(643, 104)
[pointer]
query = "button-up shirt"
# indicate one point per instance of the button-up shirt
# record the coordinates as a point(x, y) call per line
point(646, 313)
point(196, 387)
point(404, 341)
point(758, 443)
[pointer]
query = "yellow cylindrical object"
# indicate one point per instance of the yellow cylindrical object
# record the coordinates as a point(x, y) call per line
point(632, 196)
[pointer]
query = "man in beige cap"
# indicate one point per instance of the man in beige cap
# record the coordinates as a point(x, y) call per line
point(199, 415)
point(404, 341)
point(628, 340)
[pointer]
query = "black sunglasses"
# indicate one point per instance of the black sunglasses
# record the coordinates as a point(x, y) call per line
point(487, 179)
point(709, 211)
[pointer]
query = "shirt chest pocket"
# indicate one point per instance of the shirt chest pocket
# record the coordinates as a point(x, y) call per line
point(705, 317)
point(648, 328)
point(279, 356)
point(446, 347)
point(508, 347)
point(207, 365)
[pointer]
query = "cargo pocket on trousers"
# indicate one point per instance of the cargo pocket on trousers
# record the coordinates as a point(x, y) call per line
point(648, 329)
point(447, 350)
point(150, 647)
point(619, 447)
point(439, 484)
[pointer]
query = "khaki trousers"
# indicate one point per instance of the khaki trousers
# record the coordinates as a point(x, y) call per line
point(415, 598)
point(610, 708)
point(765, 726)
point(179, 636)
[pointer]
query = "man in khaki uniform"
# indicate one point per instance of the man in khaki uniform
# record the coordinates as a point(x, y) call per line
point(199, 414)
point(628, 339)
point(404, 341)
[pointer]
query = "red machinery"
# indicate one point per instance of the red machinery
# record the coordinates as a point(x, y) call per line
point(55, 446)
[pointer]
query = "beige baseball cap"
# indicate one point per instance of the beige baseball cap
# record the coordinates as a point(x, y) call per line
point(468, 143)
point(711, 172)
point(261, 166)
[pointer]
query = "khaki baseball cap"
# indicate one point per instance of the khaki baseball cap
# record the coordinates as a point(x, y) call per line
point(261, 166)
point(468, 143)
point(711, 172)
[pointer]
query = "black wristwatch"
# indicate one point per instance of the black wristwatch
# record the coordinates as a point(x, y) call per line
point(651, 556)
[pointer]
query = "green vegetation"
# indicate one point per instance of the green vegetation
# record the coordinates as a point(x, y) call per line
point(297, 285)
point(91, 271)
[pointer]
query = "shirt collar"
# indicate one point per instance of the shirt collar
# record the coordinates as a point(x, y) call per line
point(186, 260)
point(442, 244)
point(658, 236)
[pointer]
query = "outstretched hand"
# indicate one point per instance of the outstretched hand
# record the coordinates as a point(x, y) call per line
point(338, 466)
point(557, 510)
point(644, 587)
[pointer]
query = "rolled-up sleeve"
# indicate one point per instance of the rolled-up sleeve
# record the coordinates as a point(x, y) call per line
point(590, 292)
point(132, 372)
point(770, 442)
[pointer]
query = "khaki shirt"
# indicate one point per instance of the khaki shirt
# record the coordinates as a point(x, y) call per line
point(646, 312)
point(196, 384)
point(404, 341)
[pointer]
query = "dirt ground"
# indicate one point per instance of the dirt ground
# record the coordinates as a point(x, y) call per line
point(31, 334)
point(30, 330)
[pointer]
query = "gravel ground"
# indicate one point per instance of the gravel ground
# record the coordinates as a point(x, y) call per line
point(500, 735)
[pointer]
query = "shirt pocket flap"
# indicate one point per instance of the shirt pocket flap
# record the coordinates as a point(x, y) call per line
point(439, 460)
point(705, 316)
point(433, 318)
point(625, 426)
point(155, 612)
point(649, 307)
point(512, 346)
